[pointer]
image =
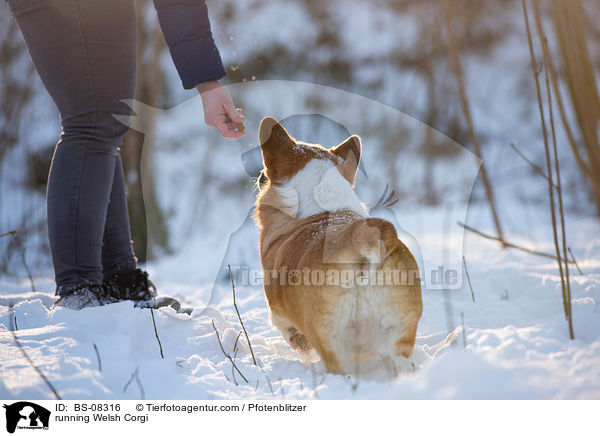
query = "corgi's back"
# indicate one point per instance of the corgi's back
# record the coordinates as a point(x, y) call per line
point(335, 279)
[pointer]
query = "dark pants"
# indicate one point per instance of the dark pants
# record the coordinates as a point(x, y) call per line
point(85, 53)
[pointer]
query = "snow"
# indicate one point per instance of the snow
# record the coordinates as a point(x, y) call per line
point(513, 344)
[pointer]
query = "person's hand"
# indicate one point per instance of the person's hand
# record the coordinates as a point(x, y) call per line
point(219, 110)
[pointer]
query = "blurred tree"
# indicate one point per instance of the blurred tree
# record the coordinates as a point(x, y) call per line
point(144, 210)
point(16, 92)
point(580, 78)
point(18, 211)
point(331, 53)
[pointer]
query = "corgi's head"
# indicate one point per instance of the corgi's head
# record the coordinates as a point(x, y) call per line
point(306, 179)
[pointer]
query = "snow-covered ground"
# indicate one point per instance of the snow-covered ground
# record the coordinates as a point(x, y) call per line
point(514, 342)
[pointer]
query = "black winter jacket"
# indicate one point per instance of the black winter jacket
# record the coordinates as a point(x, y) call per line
point(186, 28)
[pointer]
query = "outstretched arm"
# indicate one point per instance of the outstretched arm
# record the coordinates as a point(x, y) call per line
point(186, 28)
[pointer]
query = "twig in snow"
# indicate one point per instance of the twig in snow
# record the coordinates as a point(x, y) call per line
point(156, 333)
point(572, 257)
point(565, 287)
point(139, 383)
point(33, 365)
point(225, 353)
point(468, 279)
point(232, 371)
point(129, 381)
point(508, 244)
point(98, 356)
point(16, 326)
point(235, 352)
point(267, 378)
point(269, 384)
point(557, 169)
point(239, 316)
point(235, 349)
point(135, 377)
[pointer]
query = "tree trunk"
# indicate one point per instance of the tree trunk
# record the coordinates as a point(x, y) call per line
point(144, 210)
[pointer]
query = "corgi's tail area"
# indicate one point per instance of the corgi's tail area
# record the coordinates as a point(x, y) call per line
point(376, 322)
point(374, 327)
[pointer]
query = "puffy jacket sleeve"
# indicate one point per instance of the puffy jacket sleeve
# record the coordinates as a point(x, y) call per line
point(186, 28)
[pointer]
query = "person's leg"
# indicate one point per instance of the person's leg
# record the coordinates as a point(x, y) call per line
point(117, 249)
point(85, 52)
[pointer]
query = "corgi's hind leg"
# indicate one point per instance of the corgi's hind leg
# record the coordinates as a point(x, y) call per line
point(291, 334)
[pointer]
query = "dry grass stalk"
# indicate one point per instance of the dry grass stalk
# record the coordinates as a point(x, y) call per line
point(240, 316)
point(227, 354)
point(574, 261)
point(156, 333)
point(547, 63)
point(580, 78)
point(536, 168)
point(557, 169)
point(457, 69)
point(564, 287)
point(98, 357)
point(509, 244)
point(469, 279)
point(135, 376)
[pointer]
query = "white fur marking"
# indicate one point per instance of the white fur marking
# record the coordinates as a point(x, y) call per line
point(319, 187)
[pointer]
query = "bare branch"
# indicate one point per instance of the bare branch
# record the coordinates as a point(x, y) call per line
point(225, 353)
point(468, 279)
point(98, 357)
point(239, 316)
point(572, 257)
point(156, 333)
point(537, 169)
point(508, 244)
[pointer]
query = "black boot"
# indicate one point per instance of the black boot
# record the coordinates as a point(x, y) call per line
point(136, 287)
point(77, 297)
point(133, 285)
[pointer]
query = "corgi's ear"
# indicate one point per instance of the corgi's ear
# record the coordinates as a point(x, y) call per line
point(270, 126)
point(276, 146)
point(349, 151)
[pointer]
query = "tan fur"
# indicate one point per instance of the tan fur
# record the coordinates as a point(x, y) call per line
point(347, 326)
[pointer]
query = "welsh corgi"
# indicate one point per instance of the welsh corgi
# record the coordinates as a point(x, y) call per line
point(335, 279)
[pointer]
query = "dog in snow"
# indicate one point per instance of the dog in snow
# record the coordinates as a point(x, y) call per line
point(335, 279)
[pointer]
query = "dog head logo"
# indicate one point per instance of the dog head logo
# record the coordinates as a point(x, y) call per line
point(26, 415)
